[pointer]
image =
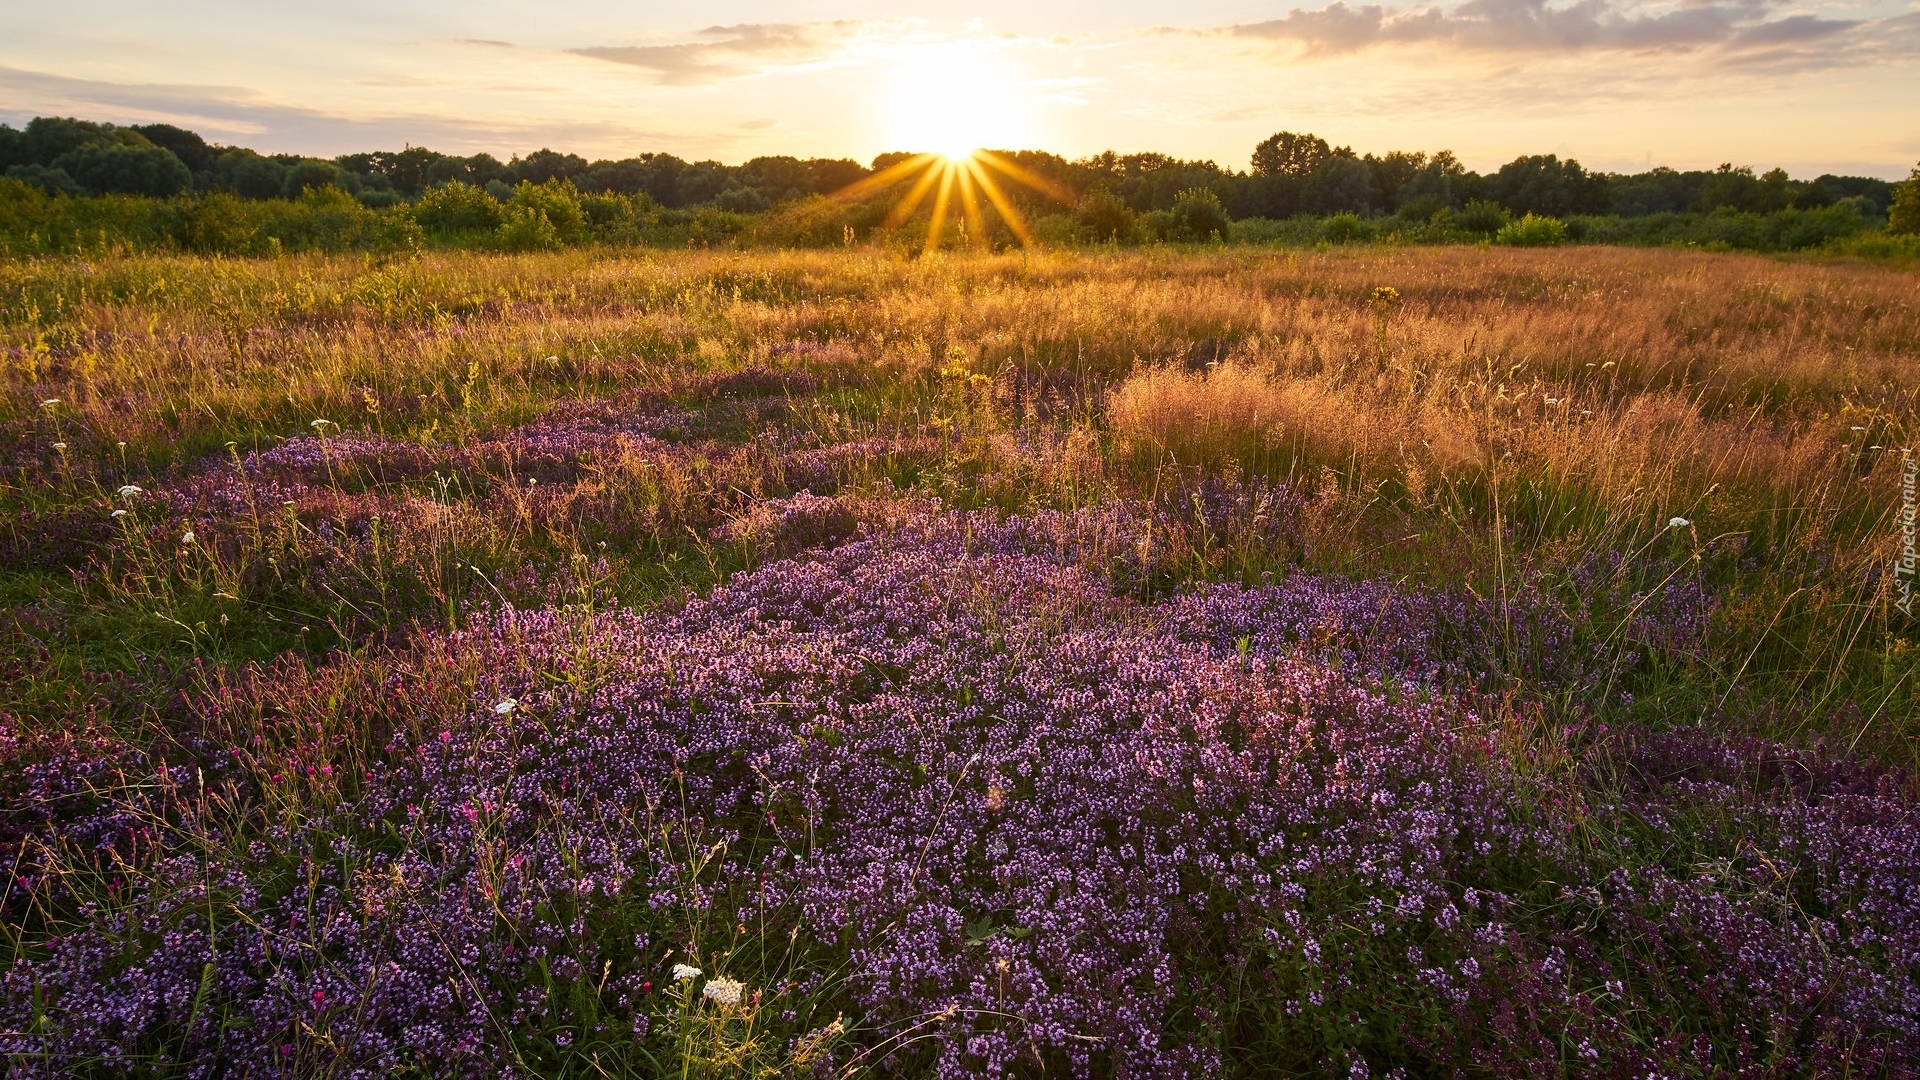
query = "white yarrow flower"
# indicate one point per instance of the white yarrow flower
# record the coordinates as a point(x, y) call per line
point(50, 403)
point(318, 424)
point(506, 706)
point(187, 537)
point(1678, 523)
point(723, 990)
point(128, 491)
point(118, 514)
point(60, 446)
point(683, 972)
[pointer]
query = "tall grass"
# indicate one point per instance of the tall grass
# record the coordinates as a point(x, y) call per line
point(291, 507)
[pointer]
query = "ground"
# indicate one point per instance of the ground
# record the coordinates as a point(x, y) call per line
point(1123, 663)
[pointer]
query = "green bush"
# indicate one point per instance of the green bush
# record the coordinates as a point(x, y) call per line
point(1104, 218)
point(1198, 215)
point(557, 201)
point(1480, 216)
point(1532, 231)
point(1346, 228)
point(457, 207)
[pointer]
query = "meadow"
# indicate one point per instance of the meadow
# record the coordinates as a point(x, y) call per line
point(1207, 661)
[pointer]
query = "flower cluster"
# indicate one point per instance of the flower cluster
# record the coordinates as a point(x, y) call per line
point(1037, 824)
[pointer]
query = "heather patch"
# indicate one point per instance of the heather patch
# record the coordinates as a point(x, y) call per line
point(952, 787)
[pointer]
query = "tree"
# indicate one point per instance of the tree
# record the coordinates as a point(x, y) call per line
point(1339, 184)
point(1903, 213)
point(543, 165)
point(1287, 154)
point(126, 170)
point(47, 138)
point(51, 181)
point(189, 147)
point(1543, 184)
point(1729, 187)
point(311, 173)
point(1438, 182)
point(249, 175)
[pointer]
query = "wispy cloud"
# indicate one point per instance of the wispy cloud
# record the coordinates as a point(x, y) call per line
point(247, 117)
point(1522, 28)
point(728, 52)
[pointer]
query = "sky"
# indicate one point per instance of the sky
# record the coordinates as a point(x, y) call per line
point(1621, 85)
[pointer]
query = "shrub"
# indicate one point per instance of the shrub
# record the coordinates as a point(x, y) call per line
point(1198, 215)
point(557, 201)
point(1482, 217)
point(1107, 218)
point(528, 229)
point(1532, 231)
point(457, 207)
point(1346, 228)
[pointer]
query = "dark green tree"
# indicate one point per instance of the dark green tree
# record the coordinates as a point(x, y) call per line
point(1339, 184)
point(48, 138)
point(311, 173)
point(1543, 184)
point(189, 147)
point(1903, 212)
point(119, 169)
point(543, 165)
point(1288, 154)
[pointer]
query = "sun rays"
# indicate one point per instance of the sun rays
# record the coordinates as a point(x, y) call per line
point(958, 181)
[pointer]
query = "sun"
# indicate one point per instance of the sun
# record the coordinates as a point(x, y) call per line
point(953, 100)
point(951, 103)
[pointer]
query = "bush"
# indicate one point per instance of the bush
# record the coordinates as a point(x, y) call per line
point(216, 224)
point(1532, 231)
point(1346, 228)
point(528, 229)
point(458, 207)
point(1481, 216)
point(1106, 218)
point(556, 201)
point(1198, 215)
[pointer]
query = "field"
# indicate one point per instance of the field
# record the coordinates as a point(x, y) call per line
point(1381, 661)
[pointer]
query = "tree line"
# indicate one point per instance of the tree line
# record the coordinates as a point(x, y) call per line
point(1289, 174)
point(72, 184)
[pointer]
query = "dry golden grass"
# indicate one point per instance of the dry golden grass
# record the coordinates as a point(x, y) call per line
point(1502, 405)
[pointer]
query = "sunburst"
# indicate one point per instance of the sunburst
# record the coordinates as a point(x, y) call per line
point(961, 179)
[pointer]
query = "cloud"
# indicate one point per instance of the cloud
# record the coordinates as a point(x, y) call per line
point(729, 52)
point(244, 116)
point(1731, 28)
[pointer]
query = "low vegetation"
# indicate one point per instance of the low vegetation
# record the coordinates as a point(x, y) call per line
point(1368, 660)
